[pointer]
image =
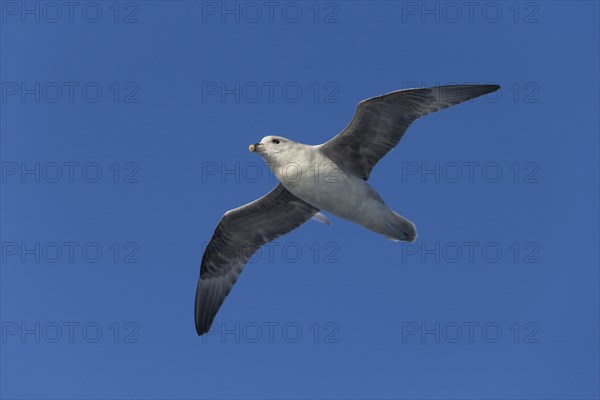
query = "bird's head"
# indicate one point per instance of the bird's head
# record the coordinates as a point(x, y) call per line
point(272, 148)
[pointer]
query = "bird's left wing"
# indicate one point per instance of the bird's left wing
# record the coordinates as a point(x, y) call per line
point(240, 233)
point(380, 122)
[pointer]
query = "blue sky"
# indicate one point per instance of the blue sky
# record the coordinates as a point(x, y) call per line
point(124, 134)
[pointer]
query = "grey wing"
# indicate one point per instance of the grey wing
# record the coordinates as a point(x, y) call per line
point(380, 122)
point(240, 233)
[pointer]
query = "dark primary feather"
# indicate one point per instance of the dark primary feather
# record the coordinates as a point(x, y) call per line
point(380, 122)
point(240, 233)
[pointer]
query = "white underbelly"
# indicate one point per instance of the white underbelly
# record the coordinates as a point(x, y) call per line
point(325, 186)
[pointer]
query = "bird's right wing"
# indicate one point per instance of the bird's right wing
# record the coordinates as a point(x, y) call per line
point(240, 233)
point(380, 122)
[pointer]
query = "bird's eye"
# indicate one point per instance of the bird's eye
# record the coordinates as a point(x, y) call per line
point(275, 141)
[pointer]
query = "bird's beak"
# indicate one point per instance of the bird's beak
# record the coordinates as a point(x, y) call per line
point(253, 147)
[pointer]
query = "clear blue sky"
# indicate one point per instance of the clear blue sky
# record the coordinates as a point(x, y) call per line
point(124, 134)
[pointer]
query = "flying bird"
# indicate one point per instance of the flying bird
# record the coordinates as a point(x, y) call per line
point(331, 177)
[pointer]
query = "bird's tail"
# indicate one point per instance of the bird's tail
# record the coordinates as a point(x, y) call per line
point(400, 229)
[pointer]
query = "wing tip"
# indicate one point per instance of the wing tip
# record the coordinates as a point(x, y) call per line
point(202, 321)
point(491, 88)
point(456, 94)
point(201, 329)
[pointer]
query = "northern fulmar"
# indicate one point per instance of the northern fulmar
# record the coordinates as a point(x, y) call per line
point(331, 177)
